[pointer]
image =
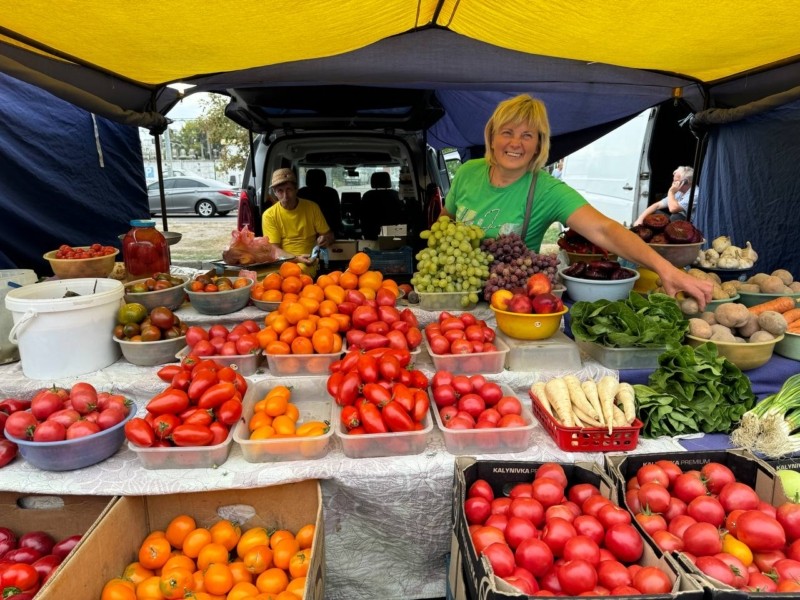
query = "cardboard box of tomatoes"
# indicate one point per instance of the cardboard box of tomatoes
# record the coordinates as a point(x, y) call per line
point(119, 534)
point(722, 515)
point(500, 479)
point(60, 517)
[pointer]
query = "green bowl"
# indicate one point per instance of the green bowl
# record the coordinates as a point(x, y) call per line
point(752, 298)
point(789, 346)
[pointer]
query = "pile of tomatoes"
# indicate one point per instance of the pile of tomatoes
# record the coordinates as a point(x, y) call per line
point(212, 283)
point(95, 250)
point(58, 414)
point(719, 524)
point(551, 538)
point(8, 449)
point(218, 340)
point(198, 408)
point(462, 334)
point(472, 402)
point(28, 561)
point(188, 560)
point(377, 393)
point(378, 323)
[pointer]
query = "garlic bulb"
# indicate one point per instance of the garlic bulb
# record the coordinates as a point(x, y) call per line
point(745, 263)
point(728, 262)
point(719, 244)
point(730, 252)
point(712, 254)
point(707, 264)
point(749, 254)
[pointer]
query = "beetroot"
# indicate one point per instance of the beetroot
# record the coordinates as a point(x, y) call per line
point(643, 232)
point(656, 221)
point(659, 238)
point(680, 232)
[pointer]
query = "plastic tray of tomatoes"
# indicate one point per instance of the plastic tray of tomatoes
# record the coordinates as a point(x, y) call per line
point(189, 457)
point(303, 365)
point(477, 362)
point(587, 439)
point(491, 440)
point(371, 445)
point(246, 364)
point(313, 406)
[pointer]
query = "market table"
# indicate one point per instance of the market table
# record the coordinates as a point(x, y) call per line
point(387, 520)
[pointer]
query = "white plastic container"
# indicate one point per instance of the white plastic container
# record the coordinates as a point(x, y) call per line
point(63, 337)
point(10, 279)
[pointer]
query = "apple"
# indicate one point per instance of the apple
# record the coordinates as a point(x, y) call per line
point(520, 303)
point(544, 304)
point(539, 283)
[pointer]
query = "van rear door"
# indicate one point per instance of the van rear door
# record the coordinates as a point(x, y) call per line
point(613, 172)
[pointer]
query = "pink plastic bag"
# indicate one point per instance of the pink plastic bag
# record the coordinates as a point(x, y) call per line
point(247, 249)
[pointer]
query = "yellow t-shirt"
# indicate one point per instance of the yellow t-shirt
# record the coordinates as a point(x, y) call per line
point(295, 231)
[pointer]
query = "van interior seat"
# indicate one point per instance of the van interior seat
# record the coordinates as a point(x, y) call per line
point(317, 190)
point(351, 211)
point(380, 206)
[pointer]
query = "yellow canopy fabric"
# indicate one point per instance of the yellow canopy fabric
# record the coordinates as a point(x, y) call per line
point(154, 43)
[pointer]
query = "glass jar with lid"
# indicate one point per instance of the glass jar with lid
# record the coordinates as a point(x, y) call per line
point(145, 250)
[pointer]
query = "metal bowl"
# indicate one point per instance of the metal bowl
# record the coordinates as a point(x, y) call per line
point(679, 255)
point(219, 303)
point(147, 354)
point(172, 297)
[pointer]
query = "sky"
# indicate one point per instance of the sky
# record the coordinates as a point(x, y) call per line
point(188, 108)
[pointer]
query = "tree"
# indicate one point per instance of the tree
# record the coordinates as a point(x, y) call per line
point(214, 136)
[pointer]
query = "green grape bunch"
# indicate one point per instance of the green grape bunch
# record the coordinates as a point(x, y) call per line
point(453, 260)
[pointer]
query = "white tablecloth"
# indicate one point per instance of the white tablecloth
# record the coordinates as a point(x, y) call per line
point(387, 520)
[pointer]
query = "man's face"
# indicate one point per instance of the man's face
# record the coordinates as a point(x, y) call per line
point(286, 193)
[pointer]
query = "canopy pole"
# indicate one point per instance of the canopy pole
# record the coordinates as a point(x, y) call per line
point(699, 149)
point(160, 171)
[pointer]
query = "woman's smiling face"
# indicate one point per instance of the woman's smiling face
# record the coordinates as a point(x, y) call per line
point(514, 146)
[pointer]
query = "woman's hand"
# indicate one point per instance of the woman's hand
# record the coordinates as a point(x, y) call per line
point(306, 259)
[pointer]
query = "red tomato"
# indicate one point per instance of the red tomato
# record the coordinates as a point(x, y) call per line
point(611, 515)
point(671, 469)
point(654, 497)
point(477, 509)
point(593, 504)
point(707, 509)
point(83, 397)
point(576, 577)
point(139, 432)
point(484, 536)
point(581, 491)
point(612, 574)
point(676, 507)
point(192, 435)
point(714, 567)
point(652, 580)
point(527, 508)
point(667, 541)
point(652, 473)
point(788, 515)
point(688, 486)
point(501, 558)
point(21, 425)
point(510, 405)
point(45, 403)
point(50, 431)
point(678, 525)
point(760, 532)
point(738, 495)
point(111, 416)
point(548, 491)
point(82, 429)
point(169, 401)
point(491, 393)
point(624, 542)
point(590, 527)
point(702, 539)
point(482, 488)
point(535, 556)
point(556, 533)
point(583, 548)
point(396, 417)
point(651, 522)
point(518, 530)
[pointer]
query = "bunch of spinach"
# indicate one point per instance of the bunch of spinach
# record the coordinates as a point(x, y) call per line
point(636, 322)
point(693, 390)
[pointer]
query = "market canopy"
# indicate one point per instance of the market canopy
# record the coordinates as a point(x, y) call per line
point(593, 63)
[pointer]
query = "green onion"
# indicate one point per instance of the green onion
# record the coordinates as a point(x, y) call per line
point(772, 427)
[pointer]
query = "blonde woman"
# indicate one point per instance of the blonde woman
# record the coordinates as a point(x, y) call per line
point(509, 191)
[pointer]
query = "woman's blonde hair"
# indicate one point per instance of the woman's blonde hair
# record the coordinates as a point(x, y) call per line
point(522, 109)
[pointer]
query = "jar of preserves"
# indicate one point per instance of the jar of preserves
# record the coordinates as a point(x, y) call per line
point(145, 250)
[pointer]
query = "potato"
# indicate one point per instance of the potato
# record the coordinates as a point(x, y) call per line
point(773, 322)
point(709, 317)
point(698, 274)
point(783, 275)
point(732, 314)
point(723, 334)
point(717, 293)
point(689, 306)
point(734, 283)
point(729, 288)
point(699, 328)
point(714, 277)
point(750, 287)
point(772, 285)
point(761, 336)
point(757, 278)
point(795, 287)
point(750, 327)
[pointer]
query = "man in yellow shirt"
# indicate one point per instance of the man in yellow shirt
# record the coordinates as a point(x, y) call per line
point(295, 224)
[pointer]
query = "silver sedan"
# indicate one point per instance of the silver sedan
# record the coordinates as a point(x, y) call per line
point(189, 194)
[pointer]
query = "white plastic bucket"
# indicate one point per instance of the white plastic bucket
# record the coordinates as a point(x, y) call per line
point(10, 279)
point(63, 337)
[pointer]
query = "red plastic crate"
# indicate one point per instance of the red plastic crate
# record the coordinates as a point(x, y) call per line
point(587, 439)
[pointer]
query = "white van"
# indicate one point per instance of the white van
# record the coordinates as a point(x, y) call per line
point(626, 170)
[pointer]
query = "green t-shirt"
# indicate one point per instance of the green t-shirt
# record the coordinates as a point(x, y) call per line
point(498, 210)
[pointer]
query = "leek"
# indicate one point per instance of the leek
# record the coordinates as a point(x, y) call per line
point(772, 427)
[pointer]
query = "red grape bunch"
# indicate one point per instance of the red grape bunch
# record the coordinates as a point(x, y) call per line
point(513, 263)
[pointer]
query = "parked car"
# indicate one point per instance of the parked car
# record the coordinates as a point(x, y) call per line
point(369, 143)
point(189, 194)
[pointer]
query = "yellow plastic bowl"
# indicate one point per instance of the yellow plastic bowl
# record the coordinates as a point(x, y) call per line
point(744, 355)
point(528, 326)
point(72, 268)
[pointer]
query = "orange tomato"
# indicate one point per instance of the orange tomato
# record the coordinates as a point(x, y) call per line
point(327, 308)
point(240, 573)
point(136, 573)
point(255, 536)
point(371, 280)
point(335, 276)
point(258, 420)
point(179, 561)
point(299, 563)
point(175, 583)
point(154, 552)
point(283, 425)
point(289, 269)
point(297, 586)
point(272, 281)
point(324, 281)
point(328, 323)
point(336, 293)
point(218, 579)
point(292, 412)
point(242, 590)
point(343, 320)
point(263, 433)
point(348, 280)
point(272, 296)
point(265, 336)
point(275, 405)
point(278, 536)
point(287, 595)
point(195, 540)
point(257, 559)
point(315, 292)
point(272, 581)
point(288, 335)
point(302, 345)
point(118, 589)
point(291, 285)
point(226, 533)
point(305, 536)
point(337, 342)
point(312, 306)
point(306, 327)
point(322, 340)
point(278, 347)
point(295, 312)
point(283, 552)
point(149, 588)
point(241, 282)
point(211, 553)
point(359, 264)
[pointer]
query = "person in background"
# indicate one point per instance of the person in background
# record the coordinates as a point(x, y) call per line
point(558, 170)
point(676, 202)
point(295, 224)
point(492, 192)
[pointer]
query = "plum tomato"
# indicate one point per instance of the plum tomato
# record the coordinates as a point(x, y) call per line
point(481, 487)
point(652, 473)
point(716, 476)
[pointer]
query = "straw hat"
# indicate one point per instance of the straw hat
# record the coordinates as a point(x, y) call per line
point(282, 176)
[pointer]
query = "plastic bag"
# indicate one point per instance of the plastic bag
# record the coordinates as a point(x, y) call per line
point(247, 249)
